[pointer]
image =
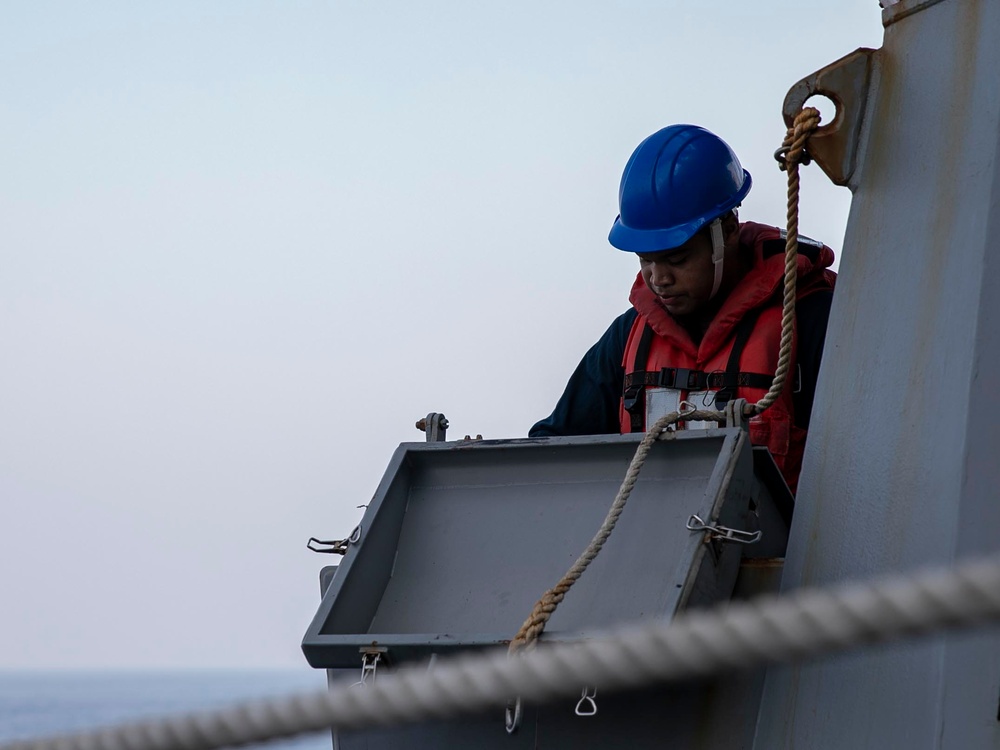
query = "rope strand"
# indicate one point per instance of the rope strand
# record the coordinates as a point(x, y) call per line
point(534, 625)
point(793, 152)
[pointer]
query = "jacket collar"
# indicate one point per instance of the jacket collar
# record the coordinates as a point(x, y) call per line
point(763, 247)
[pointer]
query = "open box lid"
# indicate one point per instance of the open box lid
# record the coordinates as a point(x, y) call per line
point(461, 538)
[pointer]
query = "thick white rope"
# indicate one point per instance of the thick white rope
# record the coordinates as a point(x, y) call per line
point(738, 635)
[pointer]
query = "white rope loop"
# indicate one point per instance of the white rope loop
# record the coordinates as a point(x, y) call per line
point(739, 635)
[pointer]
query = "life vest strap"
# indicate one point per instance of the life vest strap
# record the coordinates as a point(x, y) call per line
point(684, 379)
point(634, 396)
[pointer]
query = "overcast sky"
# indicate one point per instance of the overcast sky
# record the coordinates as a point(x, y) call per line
point(246, 245)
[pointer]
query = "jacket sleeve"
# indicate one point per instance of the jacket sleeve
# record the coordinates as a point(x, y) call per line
point(589, 405)
point(812, 315)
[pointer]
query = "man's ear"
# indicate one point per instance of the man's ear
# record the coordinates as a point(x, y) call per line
point(730, 225)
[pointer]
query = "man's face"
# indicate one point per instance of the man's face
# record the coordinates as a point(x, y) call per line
point(682, 277)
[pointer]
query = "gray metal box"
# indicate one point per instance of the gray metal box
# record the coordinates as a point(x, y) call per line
point(461, 539)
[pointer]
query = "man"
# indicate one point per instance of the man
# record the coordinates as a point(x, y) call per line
point(705, 322)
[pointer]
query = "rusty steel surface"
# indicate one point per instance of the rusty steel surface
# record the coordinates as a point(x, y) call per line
point(904, 8)
point(845, 82)
point(901, 466)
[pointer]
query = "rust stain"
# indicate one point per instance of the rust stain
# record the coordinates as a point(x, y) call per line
point(845, 82)
point(930, 344)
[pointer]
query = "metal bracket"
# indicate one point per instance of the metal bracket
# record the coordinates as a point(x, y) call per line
point(834, 146)
point(736, 416)
point(724, 533)
point(435, 425)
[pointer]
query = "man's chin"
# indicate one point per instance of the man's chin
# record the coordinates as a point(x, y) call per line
point(677, 305)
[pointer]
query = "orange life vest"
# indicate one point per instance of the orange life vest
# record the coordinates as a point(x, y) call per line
point(737, 356)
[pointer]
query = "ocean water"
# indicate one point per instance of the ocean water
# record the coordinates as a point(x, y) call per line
point(34, 704)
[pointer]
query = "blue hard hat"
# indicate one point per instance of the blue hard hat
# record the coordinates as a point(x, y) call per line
point(677, 181)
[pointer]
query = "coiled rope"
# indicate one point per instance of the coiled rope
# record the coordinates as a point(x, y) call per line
point(738, 635)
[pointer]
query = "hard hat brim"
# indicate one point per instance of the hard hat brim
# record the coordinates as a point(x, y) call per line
point(657, 240)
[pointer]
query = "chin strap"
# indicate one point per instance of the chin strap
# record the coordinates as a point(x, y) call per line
point(718, 253)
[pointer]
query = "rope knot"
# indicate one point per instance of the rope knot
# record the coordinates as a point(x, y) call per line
point(793, 149)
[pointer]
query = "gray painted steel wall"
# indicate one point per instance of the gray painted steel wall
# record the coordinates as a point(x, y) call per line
point(461, 538)
point(903, 463)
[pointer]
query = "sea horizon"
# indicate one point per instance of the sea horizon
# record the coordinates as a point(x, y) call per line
point(37, 702)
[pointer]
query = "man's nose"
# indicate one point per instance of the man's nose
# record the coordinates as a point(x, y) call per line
point(660, 274)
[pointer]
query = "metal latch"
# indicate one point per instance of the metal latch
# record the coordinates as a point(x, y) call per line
point(724, 533)
point(370, 658)
point(335, 546)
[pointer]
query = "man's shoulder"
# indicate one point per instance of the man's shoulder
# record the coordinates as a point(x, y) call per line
point(616, 335)
point(772, 240)
point(752, 232)
point(626, 320)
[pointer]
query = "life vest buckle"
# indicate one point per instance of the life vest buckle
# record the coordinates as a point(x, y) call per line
point(630, 398)
point(679, 378)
